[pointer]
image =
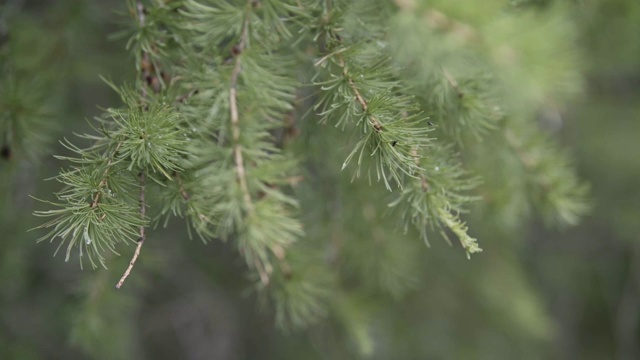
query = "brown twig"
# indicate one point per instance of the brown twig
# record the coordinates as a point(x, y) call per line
point(375, 123)
point(235, 130)
point(143, 235)
point(181, 189)
point(147, 77)
point(373, 120)
point(235, 118)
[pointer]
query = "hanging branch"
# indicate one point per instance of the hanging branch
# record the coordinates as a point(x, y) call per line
point(263, 269)
point(147, 76)
point(235, 118)
point(374, 121)
point(433, 187)
point(143, 234)
point(256, 212)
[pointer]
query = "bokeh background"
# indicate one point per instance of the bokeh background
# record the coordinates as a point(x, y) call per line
point(545, 294)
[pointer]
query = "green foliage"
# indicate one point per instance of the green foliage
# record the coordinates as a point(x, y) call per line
point(227, 126)
point(98, 205)
point(28, 69)
point(362, 88)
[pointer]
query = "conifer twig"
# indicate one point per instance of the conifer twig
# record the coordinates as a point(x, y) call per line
point(374, 121)
point(235, 128)
point(146, 73)
point(183, 191)
point(361, 100)
point(235, 119)
point(103, 182)
point(143, 235)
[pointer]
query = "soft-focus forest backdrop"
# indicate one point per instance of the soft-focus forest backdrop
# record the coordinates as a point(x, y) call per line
point(543, 294)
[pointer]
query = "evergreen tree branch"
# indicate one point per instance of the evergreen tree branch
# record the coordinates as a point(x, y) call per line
point(388, 137)
point(146, 61)
point(147, 82)
point(233, 109)
point(374, 121)
point(554, 187)
point(104, 180)
point(396, 134)
point(181, 189)
point(143, 234)
point(254, 86)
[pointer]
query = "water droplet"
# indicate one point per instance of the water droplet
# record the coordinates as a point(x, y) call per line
point(87, 239)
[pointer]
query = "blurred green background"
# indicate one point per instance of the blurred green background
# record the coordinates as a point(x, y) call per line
point(570, 294)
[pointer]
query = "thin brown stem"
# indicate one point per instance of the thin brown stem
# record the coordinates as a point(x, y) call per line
point(146, 68)
point(143, 235)
point(235, 118)
point(373, 120)
point(181, 189)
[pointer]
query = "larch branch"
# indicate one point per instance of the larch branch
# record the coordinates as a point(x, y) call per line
point(235, 118)
point(103, 182)
point(143, 235)
point(146, 73)
point(373, 120)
